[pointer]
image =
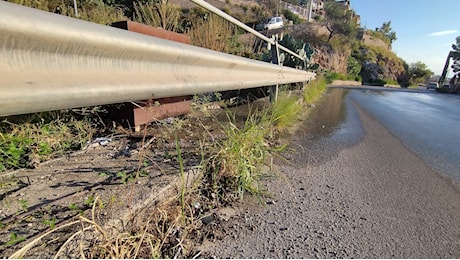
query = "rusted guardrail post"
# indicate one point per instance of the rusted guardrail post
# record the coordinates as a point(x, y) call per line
point(147, 111)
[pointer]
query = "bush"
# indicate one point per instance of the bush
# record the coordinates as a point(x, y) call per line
point(292, 16)
point(332, 75)
point(378, 82)
point(391, 82)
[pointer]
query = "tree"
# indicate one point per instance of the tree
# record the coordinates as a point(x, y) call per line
point(353, 66)
point(419, 72)
point(338, 20)
point(386, 30)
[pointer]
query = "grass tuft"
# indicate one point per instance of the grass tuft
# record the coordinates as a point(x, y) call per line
point(285, 111)
point(314, 90)
point(27, 143)
point(235, 161)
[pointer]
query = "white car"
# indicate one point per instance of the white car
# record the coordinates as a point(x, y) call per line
point(273, 23)
point(433, 85)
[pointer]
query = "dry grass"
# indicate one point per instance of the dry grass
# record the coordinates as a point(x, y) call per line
point(162, 233)
point(214, 33)
point(93, 11)
point(161, 14)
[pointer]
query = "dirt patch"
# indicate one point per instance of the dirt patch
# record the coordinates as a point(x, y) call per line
point(36, 200)
point(122, 176)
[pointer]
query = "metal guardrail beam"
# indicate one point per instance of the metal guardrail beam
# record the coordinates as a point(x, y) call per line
point(49, 62)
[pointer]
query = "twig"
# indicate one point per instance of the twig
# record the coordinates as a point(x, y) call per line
point(21, 252)
point(197, 255)
point(148, 142)
point(70, 239)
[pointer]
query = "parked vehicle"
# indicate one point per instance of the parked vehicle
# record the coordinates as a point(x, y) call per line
point(433, 85)
point(271, 23)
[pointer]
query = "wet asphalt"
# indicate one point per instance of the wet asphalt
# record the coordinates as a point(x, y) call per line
point(425, 121)
point(371, 174)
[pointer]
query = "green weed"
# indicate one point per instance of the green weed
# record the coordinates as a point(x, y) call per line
point(24, 204)
point(50, 222)
point(236, 161)
point(125, 177)
point(89, 201)
point(182, 174)
point(26, 141)
point(285, 111)
point(128, 177)
point(73, 206)
point(15, 239)
point(314, 90)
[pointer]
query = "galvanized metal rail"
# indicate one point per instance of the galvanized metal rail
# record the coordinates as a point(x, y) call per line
point(231, 19)
point(49, 62)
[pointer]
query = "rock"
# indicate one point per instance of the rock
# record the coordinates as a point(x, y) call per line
point(208, 219)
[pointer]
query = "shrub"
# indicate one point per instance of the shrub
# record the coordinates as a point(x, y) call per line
point(214, 33)
point(235, 160)
point(292, 16)
point(378, 82)
point(158, 14)
point(93, 11)
point(332, 75)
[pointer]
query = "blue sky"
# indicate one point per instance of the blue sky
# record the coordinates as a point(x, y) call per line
point(425, 29)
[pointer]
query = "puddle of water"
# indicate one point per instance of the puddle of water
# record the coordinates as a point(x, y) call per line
point(327, 116)
point(332, 126)
point(333, 118)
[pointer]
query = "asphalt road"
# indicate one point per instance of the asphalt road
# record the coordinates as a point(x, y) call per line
point(367, 176)
point(427, 122)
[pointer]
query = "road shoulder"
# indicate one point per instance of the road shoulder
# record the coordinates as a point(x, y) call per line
point(375, 199)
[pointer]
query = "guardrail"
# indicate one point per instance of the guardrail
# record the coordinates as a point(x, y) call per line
point(50, 62)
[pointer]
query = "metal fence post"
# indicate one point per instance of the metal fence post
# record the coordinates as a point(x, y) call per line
point(275, 60)
point(75, 7)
